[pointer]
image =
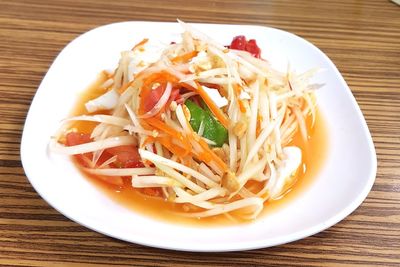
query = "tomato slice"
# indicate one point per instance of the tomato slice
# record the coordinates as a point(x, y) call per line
point(127, 156)
point(74, 138)
point(174, 94)
point(134, 164)
point(152, 97)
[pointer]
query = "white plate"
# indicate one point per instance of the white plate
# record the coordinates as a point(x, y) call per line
point(342, 184)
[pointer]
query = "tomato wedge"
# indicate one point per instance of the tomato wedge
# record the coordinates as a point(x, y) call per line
point(74, 139)
point(127, 156)
point(151, 98)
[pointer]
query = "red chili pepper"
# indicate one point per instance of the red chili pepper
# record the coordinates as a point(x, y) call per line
point(240, 43)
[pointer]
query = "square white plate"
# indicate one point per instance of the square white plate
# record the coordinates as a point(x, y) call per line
point(342, 183)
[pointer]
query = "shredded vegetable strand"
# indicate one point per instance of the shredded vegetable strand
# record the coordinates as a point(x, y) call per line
point(121, 172)
point(255, 204)
point(153, 181)
point(161, 103)
point(108, 119)
point(158, 159)
point(92, 146)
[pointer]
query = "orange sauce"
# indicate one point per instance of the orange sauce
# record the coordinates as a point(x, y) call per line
point(313, 157)
point(314, 152)
point(92, 92)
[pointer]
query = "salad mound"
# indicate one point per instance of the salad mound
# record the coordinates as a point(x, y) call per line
point(196, 123)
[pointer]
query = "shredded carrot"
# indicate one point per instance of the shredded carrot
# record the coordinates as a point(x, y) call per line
point(167, 143)
point(241, 106)
point(210, 104)
point(173, 134)
point(237, 88)
point(145, 125)
point(151, 77)
point(185, 161)
point(148, 140)
point(157, 123)
point(203, 156)
point(169, 77)
point(149, 80)
point(145, 40)
point(173, 148)
point(258, 127)
point(162, 76)
point(214, 157)
point(185, 57)
point(207, 154)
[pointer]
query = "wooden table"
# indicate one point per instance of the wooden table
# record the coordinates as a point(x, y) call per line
point(361, 37)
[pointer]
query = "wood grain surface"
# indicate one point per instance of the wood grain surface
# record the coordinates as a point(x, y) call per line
point(361, 37)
